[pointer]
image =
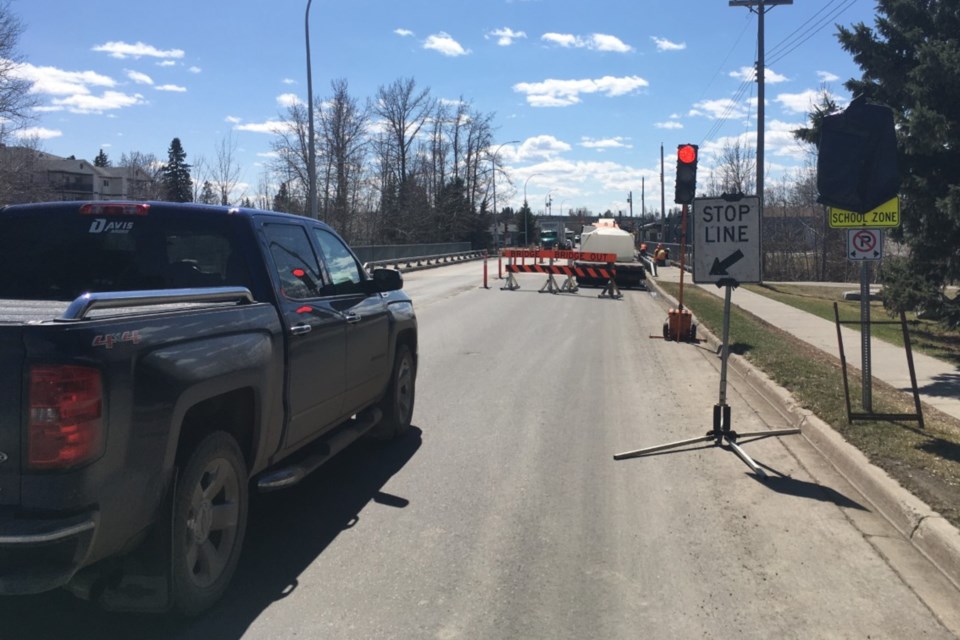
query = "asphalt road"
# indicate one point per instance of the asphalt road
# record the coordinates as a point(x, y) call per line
point(504, 515)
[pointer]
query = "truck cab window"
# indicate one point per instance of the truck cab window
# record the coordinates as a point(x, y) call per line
point(294, 259)
point(345, 271)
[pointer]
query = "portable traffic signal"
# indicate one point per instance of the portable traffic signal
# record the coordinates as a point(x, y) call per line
point(686, 184)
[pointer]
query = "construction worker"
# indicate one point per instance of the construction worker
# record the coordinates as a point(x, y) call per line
point(660, 256)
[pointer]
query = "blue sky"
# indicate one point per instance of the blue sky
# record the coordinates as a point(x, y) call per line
point(591, 89)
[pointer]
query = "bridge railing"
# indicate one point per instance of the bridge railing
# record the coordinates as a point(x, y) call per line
point(412, 263)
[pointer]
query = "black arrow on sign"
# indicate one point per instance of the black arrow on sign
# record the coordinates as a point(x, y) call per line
point(720, 268)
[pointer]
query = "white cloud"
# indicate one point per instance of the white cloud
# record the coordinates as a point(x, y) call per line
point(748, 74)
point(39, 133)
point(617, 142)
point(562, 39)
point(139, 78)
point(780, 141)
point(288, 81)
point(506, 36)
point(270, 126)
point(289, 100)
point(804, 102)
point(403, 33)
point(57, 82)
point(672, 124)
point(195, 69)
point(595, 42)
point(666, 45)
point(167, 63)
point(543, 146)
point(268, 154)
point(233, 119)
point(123, 50)
point(443, 43)
point(109, 101)
point(722, 108)
point(826, 76)
point(604, 42)
point(563, 93)
point(171, 87)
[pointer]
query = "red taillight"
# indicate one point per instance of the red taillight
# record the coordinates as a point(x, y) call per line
point(66, 411)
point(114, 209)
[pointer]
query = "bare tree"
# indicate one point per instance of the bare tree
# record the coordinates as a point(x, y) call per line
point(290, 166)
point(15, 99)
point(343, 125)
point(737, 167)
point(200, 174)
point(404, 110)
point(226, 169)
point(22, 177)
point(143, 173)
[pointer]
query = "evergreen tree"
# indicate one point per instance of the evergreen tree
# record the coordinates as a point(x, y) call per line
point(207, 194)
point(177, 185)
point(910, 64)
point(283, 202)
point(101, 160)
point(526, 224)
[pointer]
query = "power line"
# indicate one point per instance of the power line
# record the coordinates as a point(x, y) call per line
point(812, 31)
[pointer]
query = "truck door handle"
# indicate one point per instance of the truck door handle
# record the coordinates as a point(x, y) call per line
point(300, 329)
point(351, 317)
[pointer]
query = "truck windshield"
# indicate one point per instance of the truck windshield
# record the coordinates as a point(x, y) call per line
point(59, 256)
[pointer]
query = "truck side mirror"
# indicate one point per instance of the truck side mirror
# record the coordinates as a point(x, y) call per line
point(385, 280)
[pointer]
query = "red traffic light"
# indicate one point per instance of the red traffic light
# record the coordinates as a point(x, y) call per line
point(687, 153)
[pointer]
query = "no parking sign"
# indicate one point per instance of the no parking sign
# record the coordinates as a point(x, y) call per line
point(864, 244)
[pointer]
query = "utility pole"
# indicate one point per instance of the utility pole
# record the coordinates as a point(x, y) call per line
point(760, 7)
point(643, 198)
point(311, 147)
point(630, 202)
point(663, 199)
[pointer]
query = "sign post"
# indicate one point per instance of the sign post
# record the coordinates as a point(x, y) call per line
point(726, 252)
point(865, 244)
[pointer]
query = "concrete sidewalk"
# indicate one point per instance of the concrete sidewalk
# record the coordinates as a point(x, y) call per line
point(937, 380)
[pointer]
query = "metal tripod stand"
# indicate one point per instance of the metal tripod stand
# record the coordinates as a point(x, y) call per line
point(721, 433)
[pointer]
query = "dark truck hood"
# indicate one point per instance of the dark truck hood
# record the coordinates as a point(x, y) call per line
point(11, 420)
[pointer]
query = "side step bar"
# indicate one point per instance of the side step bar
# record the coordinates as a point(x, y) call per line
point(319, 452)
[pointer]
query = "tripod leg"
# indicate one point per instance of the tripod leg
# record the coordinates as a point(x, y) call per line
point(768, 434)
point(746, 459)
point(661, 447)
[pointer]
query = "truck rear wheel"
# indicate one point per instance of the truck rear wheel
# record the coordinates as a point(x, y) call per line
point(397, 404)
point(209, 521)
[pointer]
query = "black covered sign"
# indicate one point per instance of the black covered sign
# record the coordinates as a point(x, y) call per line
point(857, 162)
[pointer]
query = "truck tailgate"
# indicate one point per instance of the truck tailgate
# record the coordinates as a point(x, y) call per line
point(11, 364)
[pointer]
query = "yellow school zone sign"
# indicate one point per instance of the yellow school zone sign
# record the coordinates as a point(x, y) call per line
point(886, 215)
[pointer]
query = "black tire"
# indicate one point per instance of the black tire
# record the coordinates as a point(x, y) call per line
point(693, 333)
point(397, 403)
point(666, 331)
point(209, 520)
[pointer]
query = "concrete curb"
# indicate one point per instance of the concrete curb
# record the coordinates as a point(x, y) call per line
point(926, 529)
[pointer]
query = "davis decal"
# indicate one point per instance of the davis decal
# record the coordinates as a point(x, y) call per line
point(102, 225)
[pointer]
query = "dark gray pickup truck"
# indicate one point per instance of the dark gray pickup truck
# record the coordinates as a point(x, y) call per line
point(157, 362)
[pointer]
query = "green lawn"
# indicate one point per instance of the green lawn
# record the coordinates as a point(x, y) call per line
point(926, 336)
